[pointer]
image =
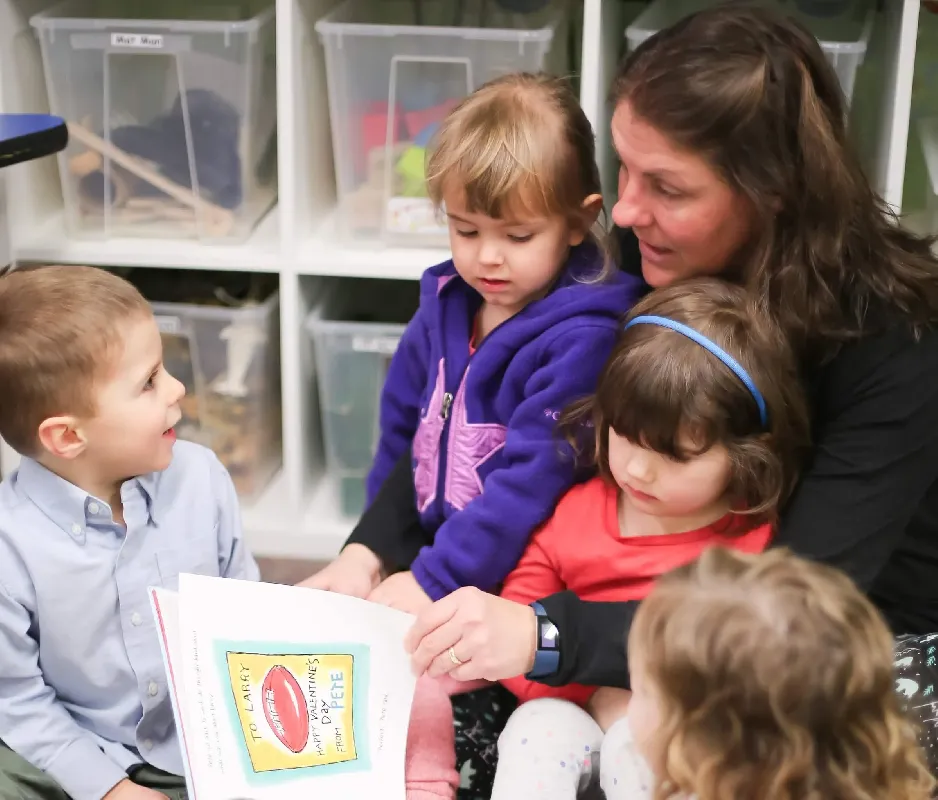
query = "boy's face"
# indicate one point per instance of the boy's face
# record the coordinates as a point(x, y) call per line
point(136, 408)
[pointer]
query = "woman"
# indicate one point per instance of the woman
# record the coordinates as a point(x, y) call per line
point(734, 161)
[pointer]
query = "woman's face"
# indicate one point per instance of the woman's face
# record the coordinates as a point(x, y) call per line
point(687, 220)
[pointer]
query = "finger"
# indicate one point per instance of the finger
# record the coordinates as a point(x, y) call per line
point(467, 672)
point(324, 579)
point(436, 644)
point(361, 590)
point(384, 597)
point(312, 582)
point(431, 618)
point(441, 665)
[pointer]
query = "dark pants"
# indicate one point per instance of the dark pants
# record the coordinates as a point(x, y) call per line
point(479, 717)
point(20, 780)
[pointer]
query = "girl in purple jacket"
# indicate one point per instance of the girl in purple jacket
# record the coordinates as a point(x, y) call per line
point(509, 332)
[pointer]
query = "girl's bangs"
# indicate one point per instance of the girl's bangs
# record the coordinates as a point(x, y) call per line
point(653, 397)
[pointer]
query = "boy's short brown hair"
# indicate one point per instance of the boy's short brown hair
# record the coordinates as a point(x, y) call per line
point(659, 387)
point(59, 334)
point(775, 679)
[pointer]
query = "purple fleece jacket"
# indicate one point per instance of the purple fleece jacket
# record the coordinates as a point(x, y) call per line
point(489, 465)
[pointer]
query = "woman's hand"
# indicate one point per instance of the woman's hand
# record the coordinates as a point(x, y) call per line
point(492, 637)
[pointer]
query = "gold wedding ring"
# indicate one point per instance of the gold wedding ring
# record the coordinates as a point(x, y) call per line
point(454, 658)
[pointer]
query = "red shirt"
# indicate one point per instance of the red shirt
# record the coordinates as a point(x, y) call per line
point(581, 549)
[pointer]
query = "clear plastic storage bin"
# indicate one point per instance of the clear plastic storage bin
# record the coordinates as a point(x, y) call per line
point(171, 115)
point(395, 68)
point(229, 361)
point(841, 28)
point(352, 354)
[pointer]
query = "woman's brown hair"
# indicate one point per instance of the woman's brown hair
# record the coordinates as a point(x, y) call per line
point(660, 388)
point(773, 677)
point(751, 92)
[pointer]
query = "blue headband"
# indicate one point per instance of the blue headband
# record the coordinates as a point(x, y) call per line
point(714, 348)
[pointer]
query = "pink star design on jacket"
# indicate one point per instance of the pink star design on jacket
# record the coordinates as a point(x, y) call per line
point(427, 445)
point(470, 446)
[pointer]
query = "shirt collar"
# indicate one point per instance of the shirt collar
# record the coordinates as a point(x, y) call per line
point(72, 508)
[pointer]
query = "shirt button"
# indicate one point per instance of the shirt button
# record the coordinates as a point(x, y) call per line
point(76, 529)
point(153, 690)
point(93, 508)
point(147, 744)
point(135, 619)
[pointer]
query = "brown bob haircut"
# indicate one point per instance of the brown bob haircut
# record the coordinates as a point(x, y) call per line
point(661, 389)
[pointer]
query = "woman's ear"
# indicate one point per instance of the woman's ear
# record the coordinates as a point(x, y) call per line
point(589, 213)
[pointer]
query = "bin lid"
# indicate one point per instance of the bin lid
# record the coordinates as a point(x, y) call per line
point(844, 32)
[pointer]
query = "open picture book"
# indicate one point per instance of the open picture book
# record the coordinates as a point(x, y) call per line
point(285, 692)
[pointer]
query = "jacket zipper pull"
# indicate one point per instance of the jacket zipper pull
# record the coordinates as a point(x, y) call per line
point(447, 402)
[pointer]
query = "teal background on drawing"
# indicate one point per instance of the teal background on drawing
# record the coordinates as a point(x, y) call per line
point(361, 676)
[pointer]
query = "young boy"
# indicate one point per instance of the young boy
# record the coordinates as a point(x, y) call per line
point(104, 504)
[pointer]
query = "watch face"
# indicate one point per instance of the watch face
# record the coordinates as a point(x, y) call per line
point(548, 635)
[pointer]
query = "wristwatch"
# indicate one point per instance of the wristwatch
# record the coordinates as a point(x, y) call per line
point(547, 654)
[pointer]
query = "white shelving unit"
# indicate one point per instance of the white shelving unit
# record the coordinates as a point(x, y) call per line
point(298, 515)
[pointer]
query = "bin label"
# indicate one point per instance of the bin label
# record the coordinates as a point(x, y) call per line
point(385, 345)
point(167, 324)
point(145, 41)
point(414, 215)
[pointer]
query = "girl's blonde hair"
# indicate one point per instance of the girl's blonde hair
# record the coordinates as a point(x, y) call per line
point(774, 679)
point(659, 388)
point(519, 143)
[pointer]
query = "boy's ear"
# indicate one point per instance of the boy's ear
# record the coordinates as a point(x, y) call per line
point(62, 437)
point(589, 213)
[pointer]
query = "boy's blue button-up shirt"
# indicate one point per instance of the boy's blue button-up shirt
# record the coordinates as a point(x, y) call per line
point(83, 691)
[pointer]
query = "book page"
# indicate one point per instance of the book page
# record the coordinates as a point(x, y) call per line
point(288, 690)
point(165, 606)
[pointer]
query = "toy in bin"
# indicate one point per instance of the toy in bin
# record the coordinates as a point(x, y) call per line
point(220, 339)
point(385, 186)
point(150, 176)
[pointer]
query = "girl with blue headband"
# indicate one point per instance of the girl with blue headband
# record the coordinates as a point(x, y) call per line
point(697, 429)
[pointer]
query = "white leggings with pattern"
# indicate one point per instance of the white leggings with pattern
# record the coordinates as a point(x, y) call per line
point(549, 751)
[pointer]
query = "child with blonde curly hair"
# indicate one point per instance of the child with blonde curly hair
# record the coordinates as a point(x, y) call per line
point(761, 676)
